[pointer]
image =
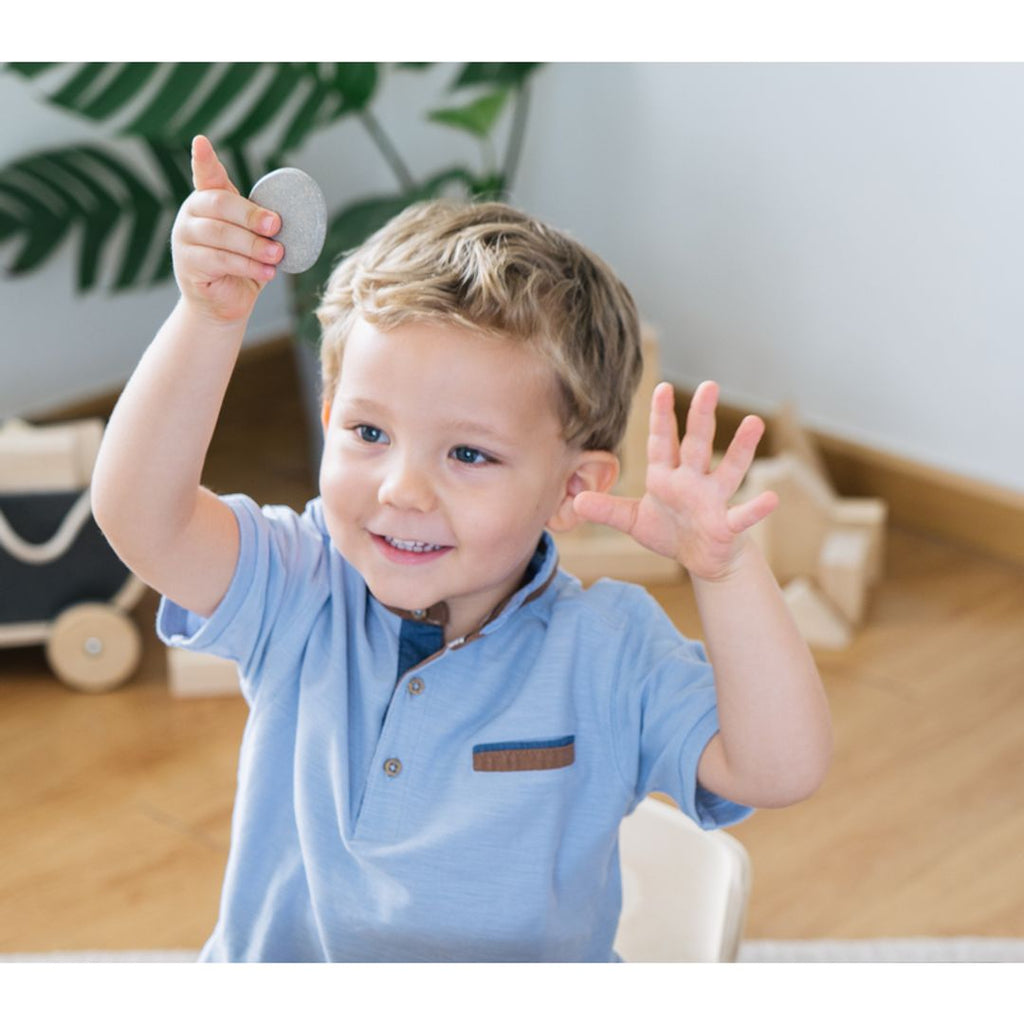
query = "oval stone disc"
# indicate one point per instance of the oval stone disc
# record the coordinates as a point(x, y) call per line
point(298, 200)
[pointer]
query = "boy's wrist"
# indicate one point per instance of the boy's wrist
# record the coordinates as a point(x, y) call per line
point(743, 557)
point(195, 317)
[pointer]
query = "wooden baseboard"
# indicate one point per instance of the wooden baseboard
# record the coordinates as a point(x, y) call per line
point(102, 405)
point(983, 517)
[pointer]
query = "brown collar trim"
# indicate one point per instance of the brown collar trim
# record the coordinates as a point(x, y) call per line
point(435, 615)
point(532, 596)
point(544, 586)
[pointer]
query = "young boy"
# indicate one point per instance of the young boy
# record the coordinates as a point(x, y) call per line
point(446, 729)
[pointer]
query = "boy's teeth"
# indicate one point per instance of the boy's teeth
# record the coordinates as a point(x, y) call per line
point(412, 545)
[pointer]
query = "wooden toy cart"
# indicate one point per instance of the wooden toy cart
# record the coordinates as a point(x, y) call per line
point(61, 585)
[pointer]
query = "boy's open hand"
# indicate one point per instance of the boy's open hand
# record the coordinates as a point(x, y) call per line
point(223, 255)
point(685, 512)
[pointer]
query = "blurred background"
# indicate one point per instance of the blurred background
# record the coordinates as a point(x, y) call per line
point(844, 236)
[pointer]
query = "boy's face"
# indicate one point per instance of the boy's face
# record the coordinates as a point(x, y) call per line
point(443, 462)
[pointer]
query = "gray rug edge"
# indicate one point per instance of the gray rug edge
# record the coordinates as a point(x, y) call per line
point(964, 949)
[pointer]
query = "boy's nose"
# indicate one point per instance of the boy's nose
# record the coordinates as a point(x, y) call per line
point(406, 486)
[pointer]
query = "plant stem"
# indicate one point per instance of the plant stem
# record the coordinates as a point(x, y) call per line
point(388, 151)
point(490, 159)
point(515, 140)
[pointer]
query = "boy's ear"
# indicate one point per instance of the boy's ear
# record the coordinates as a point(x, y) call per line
point(325, 413)
point(593, 471)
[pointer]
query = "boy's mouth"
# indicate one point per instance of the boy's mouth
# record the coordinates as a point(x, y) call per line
point(408, 552)
point(419, 546)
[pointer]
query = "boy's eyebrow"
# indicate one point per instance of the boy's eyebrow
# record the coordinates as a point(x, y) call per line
point(474, 428)
point(356, 406)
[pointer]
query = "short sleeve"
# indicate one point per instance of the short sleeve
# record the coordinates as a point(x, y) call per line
point(666, 713)
point(279, 582)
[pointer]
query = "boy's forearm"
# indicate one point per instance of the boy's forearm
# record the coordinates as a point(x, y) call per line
point(147, 476)
point(775, 737)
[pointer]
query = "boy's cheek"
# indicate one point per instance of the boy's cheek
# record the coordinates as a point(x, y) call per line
point(334, 481)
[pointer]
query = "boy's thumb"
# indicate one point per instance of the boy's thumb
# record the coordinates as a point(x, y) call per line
point(606, 509)
point(207, 170)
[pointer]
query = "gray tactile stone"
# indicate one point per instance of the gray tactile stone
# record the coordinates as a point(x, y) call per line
point(297, 199)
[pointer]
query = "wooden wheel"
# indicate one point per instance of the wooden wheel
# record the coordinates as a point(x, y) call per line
point(93, 647)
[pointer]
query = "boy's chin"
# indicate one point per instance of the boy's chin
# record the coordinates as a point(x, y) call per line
point(403, 597)
point(404, 602)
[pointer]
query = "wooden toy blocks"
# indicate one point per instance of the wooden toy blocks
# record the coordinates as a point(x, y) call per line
point(825, 550)
point(193, 674)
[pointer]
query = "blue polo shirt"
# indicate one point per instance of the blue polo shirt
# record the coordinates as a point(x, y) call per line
point(402, 799)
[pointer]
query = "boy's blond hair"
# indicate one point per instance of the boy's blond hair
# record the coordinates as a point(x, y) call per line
point(491, 268)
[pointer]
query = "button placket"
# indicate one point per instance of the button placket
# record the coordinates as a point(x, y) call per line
point(393, 765)
point(380, 814)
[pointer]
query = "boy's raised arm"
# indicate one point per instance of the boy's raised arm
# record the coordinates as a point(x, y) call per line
point(146, 493)
point(775, 736)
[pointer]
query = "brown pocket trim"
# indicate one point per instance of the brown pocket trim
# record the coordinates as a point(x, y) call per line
point(523, 757)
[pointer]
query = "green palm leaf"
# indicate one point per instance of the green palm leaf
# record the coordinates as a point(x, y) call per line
point(512, 75)
point(87, 192)
point(217, 96)
point(34, 212)
point(118, 92)
point(477, 118)
point(181, 100)
point(119, 219)
point(162, 110)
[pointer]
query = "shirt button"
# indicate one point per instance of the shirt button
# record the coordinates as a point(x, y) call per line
point(392, 767)
point(415, 685)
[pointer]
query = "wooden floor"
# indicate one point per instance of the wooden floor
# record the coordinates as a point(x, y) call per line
point(115, 809)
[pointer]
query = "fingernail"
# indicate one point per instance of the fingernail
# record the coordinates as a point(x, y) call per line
point(269, 223)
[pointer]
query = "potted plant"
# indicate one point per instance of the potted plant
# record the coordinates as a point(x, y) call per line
point(121, 211)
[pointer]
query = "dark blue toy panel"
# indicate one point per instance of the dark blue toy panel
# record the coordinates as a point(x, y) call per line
point(87, 571)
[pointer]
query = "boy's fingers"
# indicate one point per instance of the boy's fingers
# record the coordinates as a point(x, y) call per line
point(221, 263)
point(222, 234)
point(207, 171)
point(742, 517)
point(606, 510)
point(740, 453)
point(218, 205)
point(663, 439)
point(696, 447)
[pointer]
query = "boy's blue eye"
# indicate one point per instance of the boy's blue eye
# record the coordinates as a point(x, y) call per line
point(371, 435)
point(469, 456)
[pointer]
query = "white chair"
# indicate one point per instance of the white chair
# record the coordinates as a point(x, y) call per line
point(684, 891)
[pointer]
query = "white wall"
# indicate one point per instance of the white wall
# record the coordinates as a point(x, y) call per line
point(848, 237)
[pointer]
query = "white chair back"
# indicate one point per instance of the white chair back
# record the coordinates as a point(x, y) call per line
point(685, 891)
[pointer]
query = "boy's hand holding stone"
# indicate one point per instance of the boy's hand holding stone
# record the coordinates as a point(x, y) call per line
point(221, 245)
point(685, 512)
